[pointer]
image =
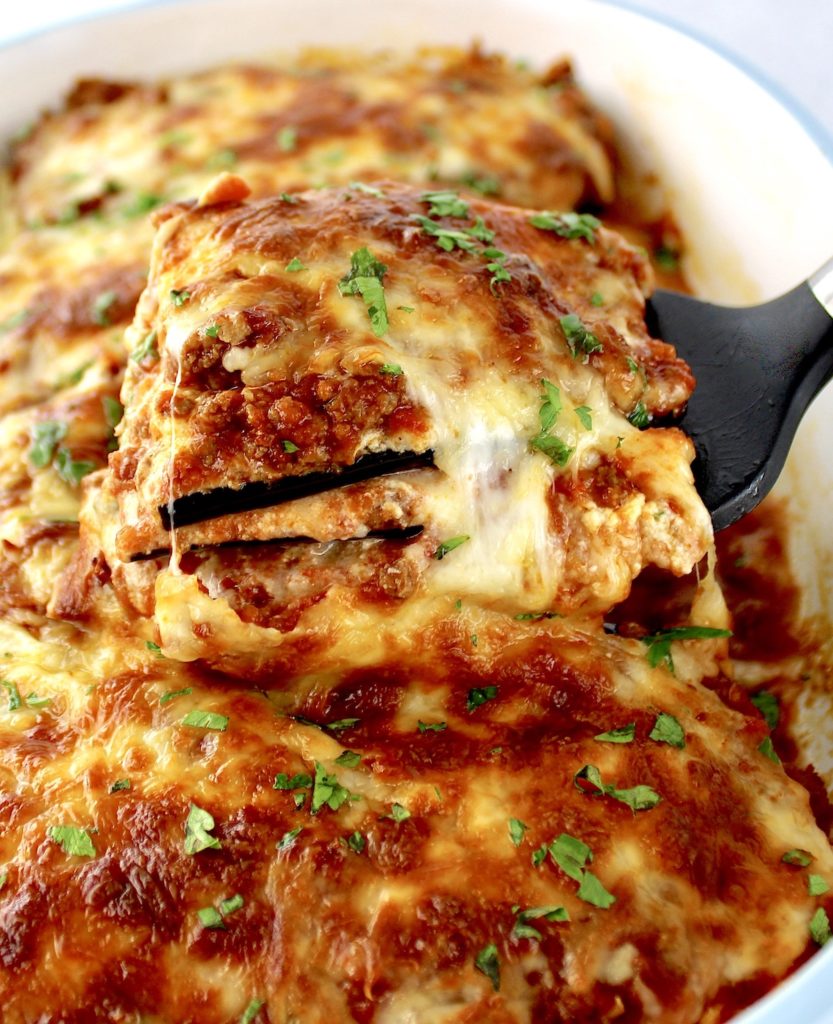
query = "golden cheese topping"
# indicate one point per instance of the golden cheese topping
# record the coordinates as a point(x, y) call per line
point(375, 668)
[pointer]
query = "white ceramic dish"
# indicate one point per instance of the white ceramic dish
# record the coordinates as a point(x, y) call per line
point(747, 181)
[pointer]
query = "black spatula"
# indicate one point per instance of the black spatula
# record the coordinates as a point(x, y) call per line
point(758, 369)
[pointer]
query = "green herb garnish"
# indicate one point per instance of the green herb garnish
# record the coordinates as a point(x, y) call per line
point(450, 545)
point(294, 266)
point(659, 644)
point(198, 826)
point(639, 798)
point(432, 726)
point(668, 730)
point(74, 841)
point(488, 963)
point(365, 278)
point(45, 438)
point(623, 734)
point(516, 831)
point(100, 310)
point(206, 720)
point(445, 204)
point(582, 341)
point(568, 225)
point(479, 695)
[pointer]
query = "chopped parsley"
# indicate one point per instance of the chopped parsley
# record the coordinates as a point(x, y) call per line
point(667, 730)
point(213, 331)
point(143, 203)
point(500, 275)
point(119, 785)
point(536, 616)
point(584, 414)
point(398, 813)
point(448, 239)
point(568, 225)
point(370, 190)
point(348, 759)
point(667, 259)
point(74, 841)
point(523, 930)
point(431, 726)
point(597, 299)
point(206, 720)
point(365, 278)
point(766, 748)
point(816, 885)
point(251, 1011)
point(228, 906)
point(356, 842)
point(582, 341)
point(179, 296)
point(820, 927)
point(639, 798)
point(622, 734)
point(450, 545)
point(287, 840)
point(479, 695)
point(659, 644)
point(407, 309)
point(391, 369)
point(767, 704)
point(516, 831)
point(639, 416)
point(34, 701)
point(572, 856)
point(287, 139)
point(173, 694)
point(445, 204)
point(70, 469)
point(485, 184)
point(488, 963)
point(4, 877)
point(289, 446)
point(540, 855)
point(287, 198)
point(294, 266)
point(100, 310)
point(45, 438)
point(798, 858)
point(198, 826)
point(551, 446)
point(298, 781)
point(146, 349)
point(14, 694)
point(327, 791)
point(210, 917)
point(113, 411)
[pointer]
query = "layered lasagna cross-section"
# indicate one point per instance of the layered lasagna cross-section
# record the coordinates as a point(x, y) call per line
point(346, 404)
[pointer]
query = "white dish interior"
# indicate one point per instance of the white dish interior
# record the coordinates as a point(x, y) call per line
point(745, 180)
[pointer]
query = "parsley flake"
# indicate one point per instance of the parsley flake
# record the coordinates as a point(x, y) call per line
point(479, 695)
point(582, 341)
point(816, 885)
point(668, 730)
point(623, 734)
point(820, 927)
point(289, 446)
point(432, 726)
point(766, 748)
point(294, 266)
point(488, 963)
point(287, 139)
point(14, 694)
point(210, 917)
point(70, 469)
point(585, 418)
point(206, 720)
point(522, 928)
point(798, 858)
point(173, 694)
point(365, 278)
point(198, 826)
point(659, 644)
point(516, 831)
point(391, 369)
point(45, 438)
point(327, 791)
point(639, 798)
point(449, 545)
point(348, 759)
point(592, 891)
point(146, 349)
point(100, 310)
point(767, 704)
point(287, 840)
point(119, 785)
point(251, 1011)
point(179, 296)
point(445, 203)
point(398, 813)
point(143, 203)
point(221, 160)
point(568, 225)
point(639, 416)
point(298, 781)
point(356, 842)
point(597, 299)
point(74, 841)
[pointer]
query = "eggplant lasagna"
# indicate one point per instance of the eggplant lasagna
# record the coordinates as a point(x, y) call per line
point(365, 656)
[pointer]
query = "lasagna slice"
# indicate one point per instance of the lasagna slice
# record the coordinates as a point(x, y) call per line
point(446, 395)
point(518, 821)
